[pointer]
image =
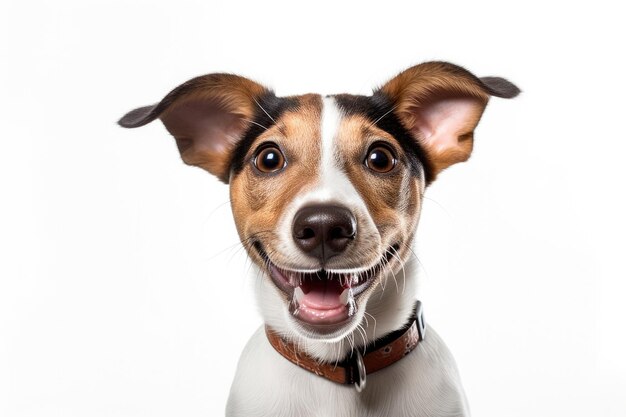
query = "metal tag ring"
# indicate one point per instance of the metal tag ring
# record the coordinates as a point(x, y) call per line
point(360, 367)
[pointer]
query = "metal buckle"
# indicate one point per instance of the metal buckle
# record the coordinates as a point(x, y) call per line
point(419, 319)
point(360, 368)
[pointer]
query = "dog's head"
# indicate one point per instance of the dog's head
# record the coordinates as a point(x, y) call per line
point(326, 191)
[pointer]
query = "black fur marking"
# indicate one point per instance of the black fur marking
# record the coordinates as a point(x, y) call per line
point(500, 87)
point(378, 109)
point(275, 107)
point(138, 117)
point(144, 115)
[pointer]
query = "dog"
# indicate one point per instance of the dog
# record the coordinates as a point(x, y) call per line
point(326, 193)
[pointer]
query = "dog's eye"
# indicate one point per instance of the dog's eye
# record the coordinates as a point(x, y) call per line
point(269, 159)
point(380, 159)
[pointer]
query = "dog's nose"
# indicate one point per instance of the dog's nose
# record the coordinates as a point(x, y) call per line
point(324, 231)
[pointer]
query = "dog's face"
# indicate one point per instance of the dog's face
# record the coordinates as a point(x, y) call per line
point(326, 191)
point(326, 202)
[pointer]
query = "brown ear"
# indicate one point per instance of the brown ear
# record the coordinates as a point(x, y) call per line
point(207, 116)
point(441, 104)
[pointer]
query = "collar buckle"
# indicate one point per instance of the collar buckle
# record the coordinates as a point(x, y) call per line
point(419, 319)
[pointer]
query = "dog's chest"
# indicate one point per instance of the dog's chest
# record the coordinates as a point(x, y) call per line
point(425, 383)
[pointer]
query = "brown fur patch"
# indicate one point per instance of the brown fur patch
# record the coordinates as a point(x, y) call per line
point(258, 200)
point(392, 199)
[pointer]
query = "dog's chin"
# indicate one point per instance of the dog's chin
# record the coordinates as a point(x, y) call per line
point(326, 304)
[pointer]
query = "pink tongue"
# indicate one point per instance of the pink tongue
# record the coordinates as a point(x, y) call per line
point(321, 294)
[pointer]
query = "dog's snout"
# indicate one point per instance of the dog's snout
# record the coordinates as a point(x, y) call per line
point(324, 231)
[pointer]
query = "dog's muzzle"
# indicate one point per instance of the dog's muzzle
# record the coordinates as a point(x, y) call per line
point(324, 299)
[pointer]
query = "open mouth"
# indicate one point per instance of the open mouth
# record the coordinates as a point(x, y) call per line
point(324, 299)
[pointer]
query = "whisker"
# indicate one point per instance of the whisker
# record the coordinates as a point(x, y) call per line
point(255, 123)
point(350, 338)
point(338, 349)
point(441, 206)
point(396, 255)
point(392, 272)
point(212, 212)
point(421, 265)
point(381, 117)
point(264, 111)
point(374, 330)
point(242, 244)
point(361, 331)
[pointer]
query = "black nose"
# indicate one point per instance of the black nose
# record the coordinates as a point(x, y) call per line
point(324, 231)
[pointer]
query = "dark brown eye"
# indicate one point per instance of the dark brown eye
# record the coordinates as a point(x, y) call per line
point(380, 159)
point(269, 159)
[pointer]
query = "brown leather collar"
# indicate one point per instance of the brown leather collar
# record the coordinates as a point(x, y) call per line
point(354, 369)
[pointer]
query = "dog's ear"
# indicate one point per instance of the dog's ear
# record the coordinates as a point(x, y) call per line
point(207, 116)
point(441, 104)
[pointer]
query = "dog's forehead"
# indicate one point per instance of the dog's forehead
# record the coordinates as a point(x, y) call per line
point(315, 111)
point(298, 122)
point(314, 126)
point(325, 119)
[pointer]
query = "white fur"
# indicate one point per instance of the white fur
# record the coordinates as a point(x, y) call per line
point(423, 384)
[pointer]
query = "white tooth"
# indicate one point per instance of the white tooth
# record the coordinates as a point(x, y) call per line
point(345, 296)
point(351, 307)
point(355, 279)
point(298, 294)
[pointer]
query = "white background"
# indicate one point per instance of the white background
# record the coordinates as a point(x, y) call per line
point(123, 291)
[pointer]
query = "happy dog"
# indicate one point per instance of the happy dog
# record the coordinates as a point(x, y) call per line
point(326, 193)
